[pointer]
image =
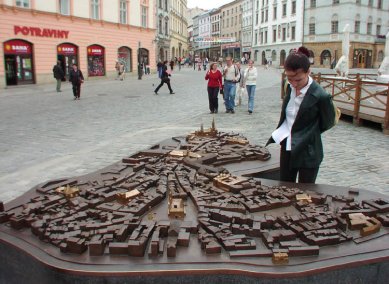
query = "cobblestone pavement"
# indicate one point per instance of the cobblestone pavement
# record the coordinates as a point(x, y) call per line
point(47, 135)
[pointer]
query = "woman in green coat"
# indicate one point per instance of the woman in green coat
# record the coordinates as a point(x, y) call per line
point(307, 111)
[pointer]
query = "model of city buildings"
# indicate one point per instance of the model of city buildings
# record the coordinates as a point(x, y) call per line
point(111, 211)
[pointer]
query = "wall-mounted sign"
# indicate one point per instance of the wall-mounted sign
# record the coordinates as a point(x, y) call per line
point(34, 31)
point(95, 50)
point(67, 49)
point(214, 39)
point(17, 47)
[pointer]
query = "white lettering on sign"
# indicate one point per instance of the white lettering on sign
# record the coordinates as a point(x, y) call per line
point(18, 47)
point(96, 50)
point(68, 49)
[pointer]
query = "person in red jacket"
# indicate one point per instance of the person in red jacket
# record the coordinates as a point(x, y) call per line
point(214, 77)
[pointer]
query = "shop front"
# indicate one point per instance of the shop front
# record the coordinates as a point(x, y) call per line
point(18, 60)
point(67, 53)
point(96, 60)
point(232, 50)
point(124, 56)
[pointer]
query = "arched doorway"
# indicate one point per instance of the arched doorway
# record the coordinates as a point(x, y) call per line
point(263, 57)
point(282, 57)
point(124, 56)
point(325, 58)
point(19, 62)
point(273, 56)
point(67, 53)
point(144, 56)
point(96, 60)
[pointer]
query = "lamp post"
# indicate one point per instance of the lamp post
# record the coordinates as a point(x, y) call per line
point(139, 63)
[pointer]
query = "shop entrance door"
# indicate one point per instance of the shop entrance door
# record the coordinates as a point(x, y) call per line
point(10, 70)
point(66, 63)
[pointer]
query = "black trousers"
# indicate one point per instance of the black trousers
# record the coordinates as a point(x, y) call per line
point(163, 81)
point(213, 99)
point(306, 175)
point(76, 90)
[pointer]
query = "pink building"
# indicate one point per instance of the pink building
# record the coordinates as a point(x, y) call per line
point(34, 34)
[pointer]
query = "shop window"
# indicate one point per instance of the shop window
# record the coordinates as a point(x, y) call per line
point(96, 65)
point(123, 11)
point(64, 7)
point(67, 54)
point(23, 3)
point(124, 56)
point(18, 60)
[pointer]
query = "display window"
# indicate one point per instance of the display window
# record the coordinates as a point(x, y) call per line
point(67, 53)
point(18, 60)
point(96, 59)
point(124, 56)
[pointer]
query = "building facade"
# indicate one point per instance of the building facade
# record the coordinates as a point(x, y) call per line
point(231, 26)
point(193, 30)
point(325, 20)
point(162, 37)
point(247, 28)
point(278, 29)
point(94, 34)
point(215, 52)
point(178, 29)
point(203, 48)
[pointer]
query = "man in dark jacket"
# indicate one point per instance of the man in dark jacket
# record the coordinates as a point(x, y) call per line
point(58, 74)
point(307, 111)
point(164, 79)
point(76, 78)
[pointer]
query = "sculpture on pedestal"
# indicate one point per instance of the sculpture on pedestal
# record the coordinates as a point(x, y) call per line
point(342, 67)
point(383, 71)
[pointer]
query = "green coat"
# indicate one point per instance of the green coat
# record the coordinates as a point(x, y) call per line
point(316, 115)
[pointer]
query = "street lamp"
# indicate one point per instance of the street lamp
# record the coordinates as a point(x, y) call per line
point(139, 63)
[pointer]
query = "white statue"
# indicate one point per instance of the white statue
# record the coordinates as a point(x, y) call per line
point(342, 65)
point(383, 71)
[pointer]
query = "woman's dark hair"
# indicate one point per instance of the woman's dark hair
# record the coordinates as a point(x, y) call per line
point(298, 60)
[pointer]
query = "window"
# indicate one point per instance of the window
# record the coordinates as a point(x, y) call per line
point(284, 9)
point(160, 4)
point(335, 2)
point(266, 15)
point(228, 22)
point(275, 13)
point(265, 36)
point(312, 28)
point(256, 19)
point(166, 27)
point(358, 2)
point(123, 12)
point(256, 38)
point(274, 35)
point(379, 4)
point(370, 4)
point(378, 30)
point(293, 36)
point(283, 34)
point(313, 3)
point(357, 27)
point(160, 26)
point(334, 26)
point(23, 3)
point(64, 7)
point(95, 8)
point(262, 17)
point(293, 7)
point(166, 7)
point(144, 16)
point(369, 27)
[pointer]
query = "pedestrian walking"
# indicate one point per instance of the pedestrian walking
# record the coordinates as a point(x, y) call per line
point(76, 78)
point(250, 82)
point(240, 89)
point(214, 77)
point(231, 77)
point(58, 74)
point(121, 71)
point(117, 66)
point(164, 79)
point(307, 111)
point(171, 65)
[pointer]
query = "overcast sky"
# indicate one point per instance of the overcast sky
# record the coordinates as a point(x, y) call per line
point(207, 4)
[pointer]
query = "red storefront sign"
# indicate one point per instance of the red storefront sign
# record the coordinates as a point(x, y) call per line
point(17, 47)
point(67, 49)
point(95, 50)
point(34, 31)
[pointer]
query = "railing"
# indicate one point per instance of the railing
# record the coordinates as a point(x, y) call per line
point(359, 96)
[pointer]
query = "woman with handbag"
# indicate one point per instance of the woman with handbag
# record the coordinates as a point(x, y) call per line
point(214, 77)
point(250, 82)
point(76, 78)
point(164, 79)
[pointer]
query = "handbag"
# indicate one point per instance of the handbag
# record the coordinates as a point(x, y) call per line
point(222, 90)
